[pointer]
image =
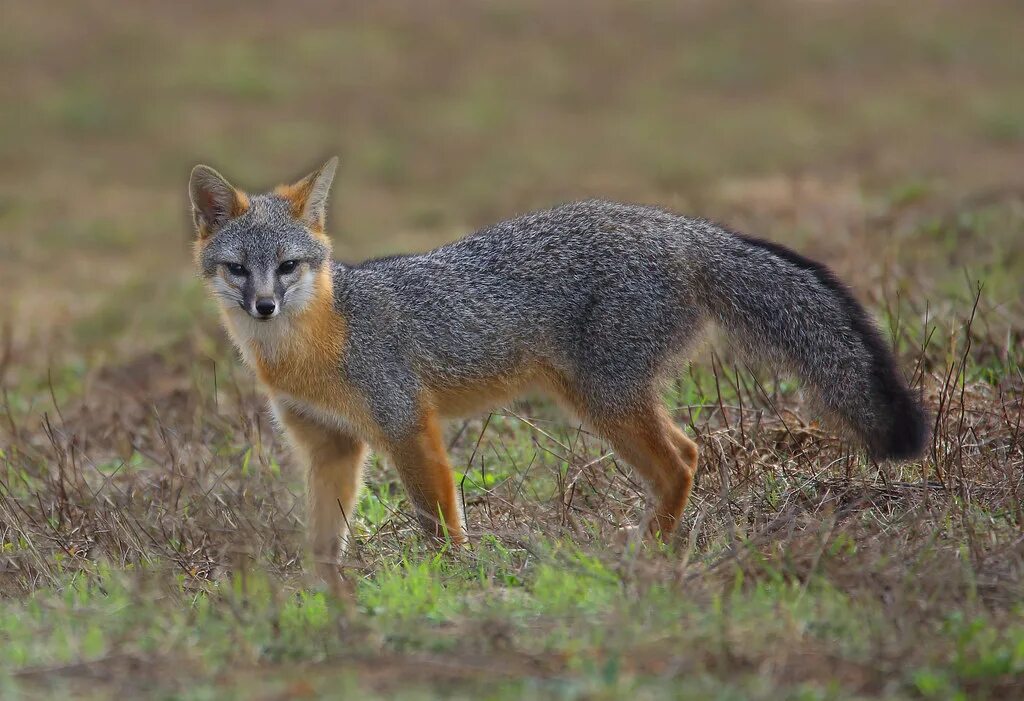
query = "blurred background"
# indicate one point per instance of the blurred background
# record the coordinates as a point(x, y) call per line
point(884, 138)
point(139, 475)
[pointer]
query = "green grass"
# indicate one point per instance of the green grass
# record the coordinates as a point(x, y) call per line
point(151, 519)
point(605, 631)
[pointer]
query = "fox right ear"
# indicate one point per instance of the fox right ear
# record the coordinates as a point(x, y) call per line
point(214, 200)
point(308, 197)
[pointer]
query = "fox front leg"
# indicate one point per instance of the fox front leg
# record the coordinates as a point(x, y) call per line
point(333, 461)
point(422, 463)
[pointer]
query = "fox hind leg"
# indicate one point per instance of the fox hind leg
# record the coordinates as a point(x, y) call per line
point(333, 461)
point(663, 455)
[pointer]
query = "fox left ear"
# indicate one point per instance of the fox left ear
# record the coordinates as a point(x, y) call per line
point(308, 197)
point(214, 200)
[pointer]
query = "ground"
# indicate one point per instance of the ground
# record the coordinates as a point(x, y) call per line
point(151, 520)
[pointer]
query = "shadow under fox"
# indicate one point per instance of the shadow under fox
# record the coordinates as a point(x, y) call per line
point(592, 303)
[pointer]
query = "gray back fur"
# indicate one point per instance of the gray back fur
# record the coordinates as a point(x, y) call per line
point(610, 295)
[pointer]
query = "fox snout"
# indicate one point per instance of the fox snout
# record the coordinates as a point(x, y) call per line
point(264, 308)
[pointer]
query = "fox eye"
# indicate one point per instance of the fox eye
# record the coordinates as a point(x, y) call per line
point(288, 266)
point(237, 269)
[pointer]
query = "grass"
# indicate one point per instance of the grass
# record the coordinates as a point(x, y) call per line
point(151, 520)
point(502, 613)
point(173, 543)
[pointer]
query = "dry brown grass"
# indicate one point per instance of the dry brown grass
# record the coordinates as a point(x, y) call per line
point(159, 468)
point(150, 526)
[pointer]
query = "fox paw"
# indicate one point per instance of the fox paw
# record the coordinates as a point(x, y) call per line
point(334, 584)
point(629, 535)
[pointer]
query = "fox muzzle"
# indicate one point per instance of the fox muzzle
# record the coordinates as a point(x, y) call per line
point(265, 307)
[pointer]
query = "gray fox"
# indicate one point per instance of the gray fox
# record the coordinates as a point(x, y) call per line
point(592, 303)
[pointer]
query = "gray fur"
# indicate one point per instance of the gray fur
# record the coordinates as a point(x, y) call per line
point(260, 240)
point(610, 295)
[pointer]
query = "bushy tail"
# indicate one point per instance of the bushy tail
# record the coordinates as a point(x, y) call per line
point(785, 309)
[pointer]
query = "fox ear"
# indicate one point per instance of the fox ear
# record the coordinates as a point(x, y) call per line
point(214, 200)
point(308, 197)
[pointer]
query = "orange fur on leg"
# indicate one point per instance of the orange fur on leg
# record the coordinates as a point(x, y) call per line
point(334, 463)
point(651, 442)
point(422, 463)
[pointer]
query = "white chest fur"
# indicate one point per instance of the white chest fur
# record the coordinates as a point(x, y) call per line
point(326, 418)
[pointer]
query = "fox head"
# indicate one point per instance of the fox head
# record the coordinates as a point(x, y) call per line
point(262, 255)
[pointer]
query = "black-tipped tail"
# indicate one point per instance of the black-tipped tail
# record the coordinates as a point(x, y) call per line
point(807, 319)
point(906, 435)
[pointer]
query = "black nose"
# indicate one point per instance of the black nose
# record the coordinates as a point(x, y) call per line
point(265, 306)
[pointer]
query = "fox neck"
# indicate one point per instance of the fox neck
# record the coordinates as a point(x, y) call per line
point(260, 342)
point(294, 339)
